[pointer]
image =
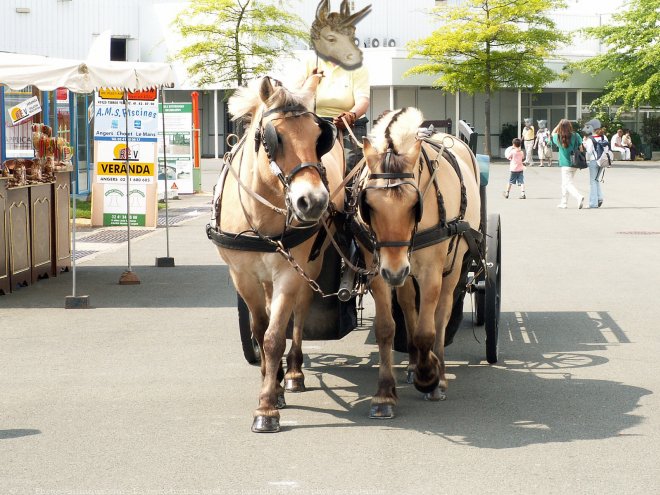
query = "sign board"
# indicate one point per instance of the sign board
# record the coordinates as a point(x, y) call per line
point(178, 147)
point(24, 110)
point(114, 157)
point(62, 95)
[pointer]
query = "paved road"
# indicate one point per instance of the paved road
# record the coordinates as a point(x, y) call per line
point(147, 392)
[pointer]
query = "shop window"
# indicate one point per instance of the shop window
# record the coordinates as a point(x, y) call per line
point(18, 138)
point(558, 99)
point(118, 49)
point(542, 99)
point(589, 96)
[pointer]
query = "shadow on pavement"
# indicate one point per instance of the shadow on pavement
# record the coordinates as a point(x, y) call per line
point(185, 286)
point(7, 434)
point(532, 396)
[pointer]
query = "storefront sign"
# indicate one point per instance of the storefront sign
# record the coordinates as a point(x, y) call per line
point(178, 140)
point(110, 119)
point(119, 156)
point(24, 110)
point(114, 205)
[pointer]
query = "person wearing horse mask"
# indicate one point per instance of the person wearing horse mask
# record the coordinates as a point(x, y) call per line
point(343, 94)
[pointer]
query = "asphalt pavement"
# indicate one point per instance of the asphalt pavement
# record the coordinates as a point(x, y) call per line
point(147, 391)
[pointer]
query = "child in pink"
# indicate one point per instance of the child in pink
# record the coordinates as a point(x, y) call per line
point(515, 156)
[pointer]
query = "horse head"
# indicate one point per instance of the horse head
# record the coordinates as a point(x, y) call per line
point(390, 201)
point(289, 141)
point(333, 34)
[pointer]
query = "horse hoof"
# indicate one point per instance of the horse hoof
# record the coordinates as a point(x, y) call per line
point(410, 377)
point(281, 402)
point(436, 395)
point(265, 424)
point(381, 411)
point(294, 385)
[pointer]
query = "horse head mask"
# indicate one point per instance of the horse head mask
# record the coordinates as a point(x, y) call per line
point(333, 34)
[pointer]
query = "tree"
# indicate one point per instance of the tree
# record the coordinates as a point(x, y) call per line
point(489, 45)
point(633, 56)
point(236, 40)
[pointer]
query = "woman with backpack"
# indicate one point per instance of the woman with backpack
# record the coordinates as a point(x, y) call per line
point(594, 144)
point(567, 142)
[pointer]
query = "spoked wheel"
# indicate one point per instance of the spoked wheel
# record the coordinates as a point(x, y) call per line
point(249, 343)
point(493, 293)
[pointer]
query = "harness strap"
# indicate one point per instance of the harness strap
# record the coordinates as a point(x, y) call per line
point(262, 243)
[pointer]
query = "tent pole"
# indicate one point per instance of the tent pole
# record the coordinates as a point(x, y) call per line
point(168, 261)
point(128, 277)
point(73, 301)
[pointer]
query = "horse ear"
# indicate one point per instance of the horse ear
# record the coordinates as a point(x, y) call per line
point(370, 155)
point(345, 9)
point(266, 89)
point(357, 17)
point(322, 10)
point(312, 82)
point(413, 152)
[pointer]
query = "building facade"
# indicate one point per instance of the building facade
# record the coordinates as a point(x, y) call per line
point(141, 30)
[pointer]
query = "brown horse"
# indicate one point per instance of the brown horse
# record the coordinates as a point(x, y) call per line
point(270, 200)
point(419, 200)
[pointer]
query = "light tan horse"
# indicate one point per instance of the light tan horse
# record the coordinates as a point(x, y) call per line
point(281, 198)
point(399, 202)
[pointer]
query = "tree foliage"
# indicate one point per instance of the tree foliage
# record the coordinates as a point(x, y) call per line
point(232, 41)
point(633, 56)
point(489, 45)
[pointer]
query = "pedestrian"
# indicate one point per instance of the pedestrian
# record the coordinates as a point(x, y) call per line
point(616, 144)
point(515, 156)
point(567, 142)
point(542, 144)
point(594, 133)
point(528, 135)
point(627, 142)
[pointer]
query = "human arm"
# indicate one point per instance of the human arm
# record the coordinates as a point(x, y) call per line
point(361, 92)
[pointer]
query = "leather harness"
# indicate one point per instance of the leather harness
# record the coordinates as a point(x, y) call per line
point(444, 230)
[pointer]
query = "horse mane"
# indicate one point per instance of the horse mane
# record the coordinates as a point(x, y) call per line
point(397, 130)
point(245, 102)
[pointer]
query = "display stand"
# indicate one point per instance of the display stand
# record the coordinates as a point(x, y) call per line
point(5, 285)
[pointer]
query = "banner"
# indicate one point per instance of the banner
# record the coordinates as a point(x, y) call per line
point(178, 144)
point(24, 110)
point(113, 155)
point(110, 117)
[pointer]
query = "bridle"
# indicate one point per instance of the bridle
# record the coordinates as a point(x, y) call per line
point(267, 136)
point(394, 180)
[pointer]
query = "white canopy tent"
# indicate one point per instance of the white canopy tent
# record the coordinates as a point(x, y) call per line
point(18, 71)
point(47, 74)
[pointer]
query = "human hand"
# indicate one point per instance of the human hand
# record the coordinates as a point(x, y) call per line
point(349, 117)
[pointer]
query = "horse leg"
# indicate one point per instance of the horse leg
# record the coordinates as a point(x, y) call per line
point(281, 402)
point(427, 370)
point(405, 295)
point(382, 404)
point(294, 380)
point(442, 315)
point(267, 416)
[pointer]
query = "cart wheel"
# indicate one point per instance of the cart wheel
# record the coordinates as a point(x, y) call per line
point(249, 343)
point(493, 293)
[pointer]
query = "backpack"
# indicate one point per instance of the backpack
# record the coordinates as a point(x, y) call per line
point(604, 155)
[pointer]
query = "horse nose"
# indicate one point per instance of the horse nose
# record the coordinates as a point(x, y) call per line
point(395, 279)
point(311, 206)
